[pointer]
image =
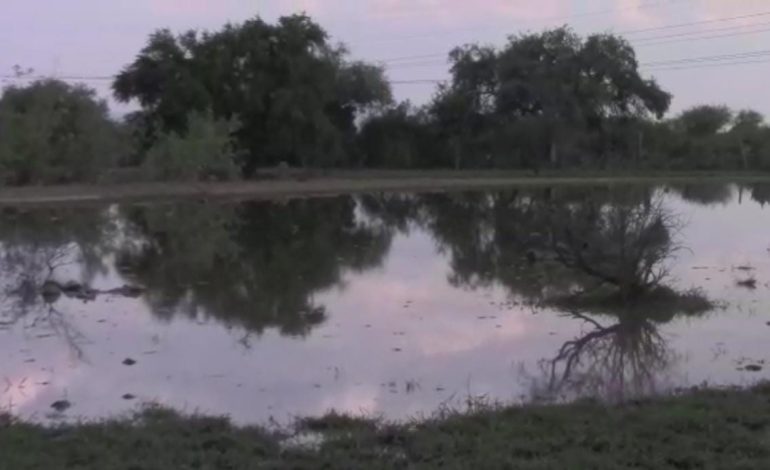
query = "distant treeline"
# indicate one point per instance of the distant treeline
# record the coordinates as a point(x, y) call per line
point(223, 104)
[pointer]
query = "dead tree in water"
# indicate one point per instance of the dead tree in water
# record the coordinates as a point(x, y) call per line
point(625, 246)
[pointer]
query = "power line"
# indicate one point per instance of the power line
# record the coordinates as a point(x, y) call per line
point(87, 78)
point(654, 42)
point(734, 56)
point(417, 81)
point(653, 38)
point(691, 33)
point(685, 63)
point(658, 65)
point(704, 66)
point(66, 78)
point(696, 23)
point(707, 37)
point(398, 59)
point(651, 4)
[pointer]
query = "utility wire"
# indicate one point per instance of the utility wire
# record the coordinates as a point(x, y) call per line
point(652, 41)
point(642, 6)
point(704, 66)
point(741, 55)
point(659, 28)
point(702, 38)
point(696, 23)
point(710, 60)
point(689, 63)
point(691, 33)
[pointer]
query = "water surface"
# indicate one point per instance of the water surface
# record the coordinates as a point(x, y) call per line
point(386, 304)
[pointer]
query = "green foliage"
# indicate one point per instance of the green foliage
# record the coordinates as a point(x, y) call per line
point(204, 151)
point(550, 99)
point(711, 137)
point(702, 429)
point(705, 120)
point(294, 95)
point(52, 132)
point(544, 99)
point(397, 137)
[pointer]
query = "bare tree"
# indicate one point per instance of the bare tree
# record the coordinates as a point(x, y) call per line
point(625, 246)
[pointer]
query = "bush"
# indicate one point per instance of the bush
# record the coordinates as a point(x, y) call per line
point(204, 152)
point(53, 132)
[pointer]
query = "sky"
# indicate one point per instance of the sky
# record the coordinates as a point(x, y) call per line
point(97, 38)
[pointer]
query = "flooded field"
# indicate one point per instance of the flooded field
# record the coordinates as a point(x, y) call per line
point(386, 304)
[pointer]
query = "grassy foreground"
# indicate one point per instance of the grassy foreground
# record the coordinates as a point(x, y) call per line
point(705, 429)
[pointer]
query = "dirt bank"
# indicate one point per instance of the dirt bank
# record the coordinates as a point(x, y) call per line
point(334, 184)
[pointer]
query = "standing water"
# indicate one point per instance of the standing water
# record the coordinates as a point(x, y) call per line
point(391, 304)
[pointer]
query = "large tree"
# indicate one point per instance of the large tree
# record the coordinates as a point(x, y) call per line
point(295, 95)
point(555, 84)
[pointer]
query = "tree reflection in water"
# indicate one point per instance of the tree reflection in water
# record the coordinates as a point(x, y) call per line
point(253, 265)
point(624, 360)
point(36, 247)
point(599, 254)
point(261, 265)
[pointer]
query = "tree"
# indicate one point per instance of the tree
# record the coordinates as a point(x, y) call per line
point(704, 120)
point(559, 86)
point(398, 137)
point(53, 132)
point(751, 136)
point(295, 96)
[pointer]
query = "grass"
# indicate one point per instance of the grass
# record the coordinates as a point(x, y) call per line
point(700, 430)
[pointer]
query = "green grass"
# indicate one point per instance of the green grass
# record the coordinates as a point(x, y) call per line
point(704, 429)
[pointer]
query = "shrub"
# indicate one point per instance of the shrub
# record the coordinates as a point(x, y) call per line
point(203, 152)
point(53, 132)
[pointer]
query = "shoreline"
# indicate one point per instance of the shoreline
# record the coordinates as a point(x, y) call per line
point(725, 428)
point(344, 182)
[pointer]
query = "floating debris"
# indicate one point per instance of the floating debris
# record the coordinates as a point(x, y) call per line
point(753, 368)
point(128, 362)
point(750, 283)
point(129, 396)
point(61, 405)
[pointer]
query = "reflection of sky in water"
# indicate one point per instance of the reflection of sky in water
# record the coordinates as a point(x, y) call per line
point(398, 340)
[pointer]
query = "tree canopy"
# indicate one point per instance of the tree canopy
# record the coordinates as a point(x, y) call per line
point(52, 132)
point(256, 95)
point(294, 95)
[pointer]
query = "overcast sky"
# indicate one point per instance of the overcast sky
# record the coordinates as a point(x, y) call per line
point(98, 37)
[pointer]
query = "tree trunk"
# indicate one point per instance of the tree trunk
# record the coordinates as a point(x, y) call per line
point(554, 155)
point(456, 153)
point(744, 157)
